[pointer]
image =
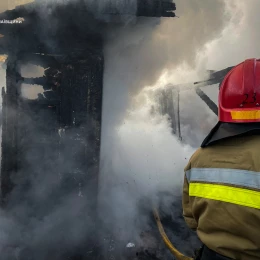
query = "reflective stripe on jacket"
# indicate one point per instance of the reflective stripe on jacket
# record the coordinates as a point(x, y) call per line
point(221, 196)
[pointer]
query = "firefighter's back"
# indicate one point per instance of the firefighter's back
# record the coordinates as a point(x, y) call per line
point(224, 194)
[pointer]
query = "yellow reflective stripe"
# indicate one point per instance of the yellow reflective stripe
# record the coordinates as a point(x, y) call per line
point(239, 196)
point(253, 114)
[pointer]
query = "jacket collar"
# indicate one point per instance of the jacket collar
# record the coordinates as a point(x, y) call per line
point(227, 130)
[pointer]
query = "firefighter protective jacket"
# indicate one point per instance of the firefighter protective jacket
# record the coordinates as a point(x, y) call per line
point(221, 196)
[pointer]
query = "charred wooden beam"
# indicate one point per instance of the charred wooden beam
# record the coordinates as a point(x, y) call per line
point(167, 100)
point(212, 106)
point(47, 82)
point(9, 166)
point(78, 27)
point(156, 8)
point(215, 77)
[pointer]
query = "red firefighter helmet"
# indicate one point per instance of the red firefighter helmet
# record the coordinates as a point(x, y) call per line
point(239, 95)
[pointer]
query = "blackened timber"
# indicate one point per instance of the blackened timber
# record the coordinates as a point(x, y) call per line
point(81, 101)
point(4, 146)
point(10, 129)
point(47, 82)
point(155, 8)
point(215, 77)
point(76, 28)
point(28, 105)
point(35, 81)
point(166, 106)
point(212, 106)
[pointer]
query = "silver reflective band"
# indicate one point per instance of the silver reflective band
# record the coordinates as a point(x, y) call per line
point(228, 176)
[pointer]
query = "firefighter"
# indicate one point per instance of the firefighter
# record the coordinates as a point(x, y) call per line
point(221, 191)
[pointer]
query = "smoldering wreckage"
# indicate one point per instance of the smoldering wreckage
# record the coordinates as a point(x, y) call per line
point(51, 144)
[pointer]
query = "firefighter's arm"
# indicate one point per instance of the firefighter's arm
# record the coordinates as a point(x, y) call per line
point(186, 206)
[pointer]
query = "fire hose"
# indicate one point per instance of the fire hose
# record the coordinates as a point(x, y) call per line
point(171, 247)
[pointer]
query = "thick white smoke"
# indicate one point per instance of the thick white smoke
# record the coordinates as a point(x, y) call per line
point(140, 156)
point(239, 40)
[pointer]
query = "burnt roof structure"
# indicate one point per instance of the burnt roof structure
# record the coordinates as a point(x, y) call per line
point(75, 26)
point(55, 139)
